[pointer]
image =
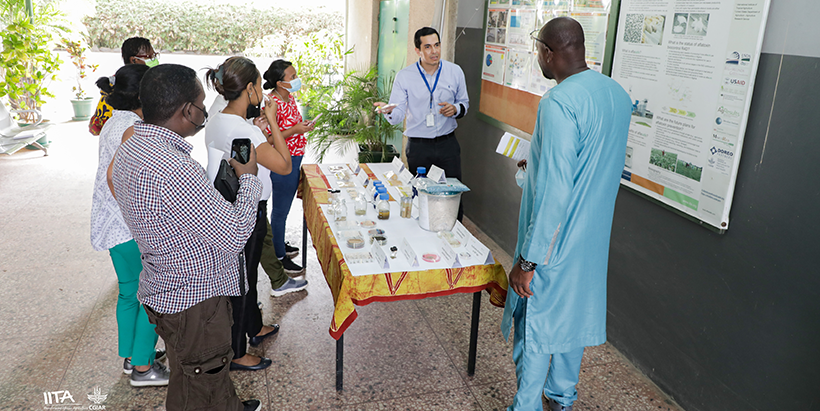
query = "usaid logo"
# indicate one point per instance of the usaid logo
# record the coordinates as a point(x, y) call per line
point(734, 81)
point(726, 153)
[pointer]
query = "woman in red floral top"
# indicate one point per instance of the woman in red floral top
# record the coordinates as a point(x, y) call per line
point(281, 77)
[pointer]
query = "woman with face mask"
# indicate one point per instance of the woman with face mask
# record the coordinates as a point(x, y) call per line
point(238, 81)
point(282, 78)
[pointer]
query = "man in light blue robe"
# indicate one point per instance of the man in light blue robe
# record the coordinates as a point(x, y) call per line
point(559, 279)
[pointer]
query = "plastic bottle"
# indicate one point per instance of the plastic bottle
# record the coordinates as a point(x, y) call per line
point(420, 181)
point(383, 206)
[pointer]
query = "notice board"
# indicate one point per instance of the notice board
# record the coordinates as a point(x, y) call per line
point(511, 80)
point(689, 68)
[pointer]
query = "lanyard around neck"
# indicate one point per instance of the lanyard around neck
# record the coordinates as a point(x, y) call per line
point(423, 77)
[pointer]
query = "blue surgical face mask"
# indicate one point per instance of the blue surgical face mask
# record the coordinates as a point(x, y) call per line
point(295, 85)
point(520, 177)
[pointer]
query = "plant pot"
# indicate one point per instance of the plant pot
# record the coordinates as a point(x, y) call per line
point(369, 155)
point(83, 109)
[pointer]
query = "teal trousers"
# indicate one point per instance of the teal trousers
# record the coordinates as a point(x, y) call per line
point(556, 375)
point(137, 338)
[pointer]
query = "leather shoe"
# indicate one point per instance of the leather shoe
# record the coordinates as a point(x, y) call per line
point(256, 340)
point(251, 405)
point(263, 363)
point(555, 406)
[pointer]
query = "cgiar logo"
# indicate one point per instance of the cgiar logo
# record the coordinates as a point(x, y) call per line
point(97, 397)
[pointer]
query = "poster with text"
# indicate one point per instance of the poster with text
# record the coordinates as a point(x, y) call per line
point(517, 69)
point(499, 3)
point(492, 67)
point(496, 27)
point(522, 23)
point(689, 69)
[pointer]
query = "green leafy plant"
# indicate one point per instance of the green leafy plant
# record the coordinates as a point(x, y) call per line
point(77, 53)
point(174, 25)
point(350, 119)
point(319, 60)
point(27, 61)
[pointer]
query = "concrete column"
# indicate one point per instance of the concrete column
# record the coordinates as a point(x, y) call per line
point(362, 33)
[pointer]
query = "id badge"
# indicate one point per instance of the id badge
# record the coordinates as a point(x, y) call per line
point(431, 120)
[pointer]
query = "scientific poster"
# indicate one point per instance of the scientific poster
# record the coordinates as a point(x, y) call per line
point(522, 23)
point(594, 25)
point(517, 72)
point(493, 65)
point(689, 70)
point(496, 27)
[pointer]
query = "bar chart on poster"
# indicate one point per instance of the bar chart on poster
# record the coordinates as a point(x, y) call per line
point(689, 68)
point(512, 83)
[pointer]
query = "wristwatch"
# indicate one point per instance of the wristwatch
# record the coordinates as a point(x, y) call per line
point(525, 265)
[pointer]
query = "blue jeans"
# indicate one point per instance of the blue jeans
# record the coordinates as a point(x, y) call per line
point(284, 188)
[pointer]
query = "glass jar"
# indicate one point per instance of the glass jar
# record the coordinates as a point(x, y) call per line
point(383, 206)
point(360, 204)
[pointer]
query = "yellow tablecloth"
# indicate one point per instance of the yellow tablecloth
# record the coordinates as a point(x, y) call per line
point(362, 290)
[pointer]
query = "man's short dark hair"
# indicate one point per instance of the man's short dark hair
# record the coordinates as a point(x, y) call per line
point(132, 47)
point(424, 31)
point(164, 89)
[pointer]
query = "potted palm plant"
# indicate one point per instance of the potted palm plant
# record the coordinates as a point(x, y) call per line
point(349, 119)
point(82, 103)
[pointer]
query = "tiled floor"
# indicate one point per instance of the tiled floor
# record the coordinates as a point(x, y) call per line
point(57, 316)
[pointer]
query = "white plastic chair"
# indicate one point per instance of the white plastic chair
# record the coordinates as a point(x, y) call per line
point(14, 137)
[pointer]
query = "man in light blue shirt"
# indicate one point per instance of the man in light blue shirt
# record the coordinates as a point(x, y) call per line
point(558, 303)
point(430, 94)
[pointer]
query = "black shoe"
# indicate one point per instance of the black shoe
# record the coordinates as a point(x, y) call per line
point(290, 250)
point(292, 268)
point(252, 405)
point(263, 363)
point(256, 340)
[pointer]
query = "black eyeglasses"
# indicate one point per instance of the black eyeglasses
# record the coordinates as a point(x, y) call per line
point(534, 37)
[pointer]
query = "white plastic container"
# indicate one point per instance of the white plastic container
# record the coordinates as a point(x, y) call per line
point(438, 212)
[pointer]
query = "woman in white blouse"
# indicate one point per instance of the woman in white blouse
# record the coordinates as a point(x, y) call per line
point(137, 338)
point(238, 81)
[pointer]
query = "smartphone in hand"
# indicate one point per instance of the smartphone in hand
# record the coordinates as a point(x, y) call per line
point(241, 150)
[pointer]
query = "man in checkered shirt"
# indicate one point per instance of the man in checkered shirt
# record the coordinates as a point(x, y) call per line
point(190, 238)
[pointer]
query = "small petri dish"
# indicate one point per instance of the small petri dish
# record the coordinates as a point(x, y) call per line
point(367, 223)
point(355, 243)
point(431, 258)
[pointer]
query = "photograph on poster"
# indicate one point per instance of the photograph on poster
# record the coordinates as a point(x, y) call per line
point(501, 36)
point(679, 23)
point(653, 29)
point(491, 33)
point(641, 114)
point(525, 3)
point(698, 23)
point(633, 28)
point(628, 160)
point(688, 169)
point(663, 159)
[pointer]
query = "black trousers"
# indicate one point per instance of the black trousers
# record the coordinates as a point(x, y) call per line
point(247, 319)
point(442, 151)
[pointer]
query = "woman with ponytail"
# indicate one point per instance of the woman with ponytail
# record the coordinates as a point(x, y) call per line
point(238, 81)
point(137, 338)
point(281, 77)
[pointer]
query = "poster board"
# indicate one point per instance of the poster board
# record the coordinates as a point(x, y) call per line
point(511, 80)
point(689, 70)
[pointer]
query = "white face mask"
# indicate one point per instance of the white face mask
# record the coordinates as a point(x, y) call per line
point(520, 177)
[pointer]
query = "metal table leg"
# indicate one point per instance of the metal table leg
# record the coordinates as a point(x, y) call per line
point(474, 334)
point(340, 354)
point(304, 243)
